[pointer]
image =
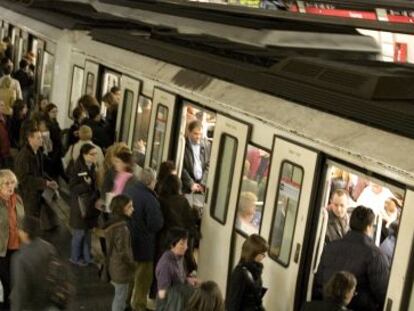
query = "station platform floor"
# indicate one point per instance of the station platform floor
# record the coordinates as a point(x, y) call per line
point(91, 293)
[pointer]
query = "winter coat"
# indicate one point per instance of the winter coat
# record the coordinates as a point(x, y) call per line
point(356, 253)
point(337, 227)
point(4, 139)
point(88, 192)
point(146, 220)
point(323, 306)
point(246, 289)
point(4, 223)
point(55, 169)
point(101, 136)
point(119, 252)
point(30, 174)
point(187, 175)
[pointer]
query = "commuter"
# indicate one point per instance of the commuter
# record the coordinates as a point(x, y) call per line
point(389, 215)
point(40, 109)
point(5, 145)
point(246, 290)
point(85, 137)
point(338, 221)
point(111, 106)
point(78, 115)
point(55, 156)
point(100, 132)
point(30, 290)
point(118, 250)
point(107, 172)
point(196, 159)
point(9, 88)
point(246, 212)
point(116, 93)
point(166, 168)
point(206, 297)
point(248, 185)
point(388, 245)
point(20, 114)
point(338, 293)
point(11, 215)
point(177, 212)
point(25, 79)
point(86, 102)
point(370, 266)
point(374, 196)
point(30, 173)
point(171, 270)
point(83, 214)
point(124, 167)
point(146, 221)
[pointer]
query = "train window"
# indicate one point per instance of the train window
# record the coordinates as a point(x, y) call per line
point(287, 203)
point(253, 188)
point(110, 79)
point(126, 114)
point(47, 74)
point(223, 178)
point(76, 88)
point(159, 136)
point(141, 128)
point(90, 80)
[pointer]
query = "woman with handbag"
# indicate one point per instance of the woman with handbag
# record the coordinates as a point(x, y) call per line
point(120, 261)
point(246, 288)
point(83, 214)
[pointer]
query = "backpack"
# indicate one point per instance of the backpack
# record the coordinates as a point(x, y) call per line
point(8, 94)
point(59, 285)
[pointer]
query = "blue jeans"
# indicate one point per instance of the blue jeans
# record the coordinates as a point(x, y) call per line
point(120, 297)
point(81, 246)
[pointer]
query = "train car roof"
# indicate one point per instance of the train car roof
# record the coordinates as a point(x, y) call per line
point(70, 15)
point(370, 92)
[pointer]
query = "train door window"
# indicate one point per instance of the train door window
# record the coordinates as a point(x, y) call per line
point(287, 203)
point(159, 136)
point(126, 114)
point(253, 188)
point(76, 88)
point(224, 177)
point(47, 74)
point(141, 129)
point(34, 50)
point(90, 82)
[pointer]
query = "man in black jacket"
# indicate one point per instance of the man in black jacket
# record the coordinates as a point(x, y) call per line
point(30, 174)
point(196, 159)
point(145, 222)
point(357, 253)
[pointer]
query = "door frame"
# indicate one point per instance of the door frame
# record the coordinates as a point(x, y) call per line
point(90, 67)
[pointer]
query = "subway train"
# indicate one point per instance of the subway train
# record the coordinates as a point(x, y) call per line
point(284, 123)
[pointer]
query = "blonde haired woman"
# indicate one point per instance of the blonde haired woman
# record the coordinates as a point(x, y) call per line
point(11, 215)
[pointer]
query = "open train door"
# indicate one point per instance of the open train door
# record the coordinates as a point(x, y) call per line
point(290, 186)
point(90, 81)
point(226, 165)
point(160, 128)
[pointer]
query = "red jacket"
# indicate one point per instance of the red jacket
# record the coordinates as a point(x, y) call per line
point(4, 139)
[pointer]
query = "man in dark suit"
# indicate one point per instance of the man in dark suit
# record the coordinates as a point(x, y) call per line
point(196, 159)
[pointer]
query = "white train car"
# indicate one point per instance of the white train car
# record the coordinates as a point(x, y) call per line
point(283, 151)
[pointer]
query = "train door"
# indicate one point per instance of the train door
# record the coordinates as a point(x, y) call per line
point(291, 180)
point(402, 270)
point(39, 47)
point(226, 165)
point(91, 78)
point(357, 188)
point(47, 69)
point(252, 194)
point(161, 128)
point(78, 73)
point(130, 89)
